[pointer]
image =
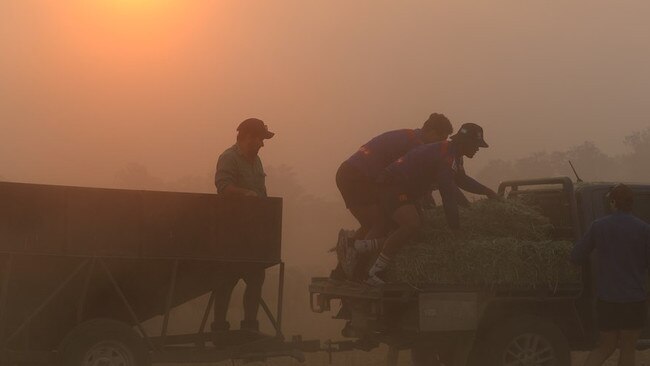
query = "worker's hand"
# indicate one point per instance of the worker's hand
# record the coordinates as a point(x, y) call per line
point(492, 194)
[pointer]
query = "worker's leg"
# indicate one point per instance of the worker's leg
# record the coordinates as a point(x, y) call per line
point(222, 292)
point(359, 194)
point(627, 341)
point(607, 343)
point(380, 228)
point(373, 235)
point(252, 297)
point(367, 216)
point(408, 222)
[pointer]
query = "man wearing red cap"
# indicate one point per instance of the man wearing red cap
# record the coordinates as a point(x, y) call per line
point(240, 173)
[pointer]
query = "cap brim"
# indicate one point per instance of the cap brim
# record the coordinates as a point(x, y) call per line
point(482, 143)
point(267, 135)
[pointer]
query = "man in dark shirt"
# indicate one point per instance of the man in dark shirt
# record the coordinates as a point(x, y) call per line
point(622, 242)
point(240, 173)
point(356, 176)
point(403, 181)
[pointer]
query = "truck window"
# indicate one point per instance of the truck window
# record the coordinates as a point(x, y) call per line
point(642, 206)
point(552, 204)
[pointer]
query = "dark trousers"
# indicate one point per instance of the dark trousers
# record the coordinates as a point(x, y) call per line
point(222, 291)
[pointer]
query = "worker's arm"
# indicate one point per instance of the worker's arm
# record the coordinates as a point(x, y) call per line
point(584, 247)
point(468, 184)
point(461, 199)
point(427, 201)
point(225, 178)
point(448, 191)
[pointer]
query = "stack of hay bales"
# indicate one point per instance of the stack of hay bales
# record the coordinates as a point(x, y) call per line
point(502, 243)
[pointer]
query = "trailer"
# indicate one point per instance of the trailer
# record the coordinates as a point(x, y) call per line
point(495, 326)
point(81, 269)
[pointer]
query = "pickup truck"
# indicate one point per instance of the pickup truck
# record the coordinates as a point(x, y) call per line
point(470, 326)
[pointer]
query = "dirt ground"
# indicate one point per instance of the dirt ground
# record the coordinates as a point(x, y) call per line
point(377, 358)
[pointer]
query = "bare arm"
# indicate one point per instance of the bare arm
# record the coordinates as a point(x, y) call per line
point(461, 199)
point(469, 184)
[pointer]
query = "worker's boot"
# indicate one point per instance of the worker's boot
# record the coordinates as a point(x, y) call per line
point(220, 334)
point(250, 325)
point(250, 331)
point(377, 279)
point(378, 271)
point(346, 253)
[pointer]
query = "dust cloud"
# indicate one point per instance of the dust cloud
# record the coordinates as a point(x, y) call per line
point(148, 98)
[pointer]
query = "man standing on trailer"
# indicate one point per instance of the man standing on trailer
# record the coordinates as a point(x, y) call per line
point(240, 173)
point(622, 244)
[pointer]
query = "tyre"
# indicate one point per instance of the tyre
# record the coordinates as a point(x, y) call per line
point(526, 341)
point(104, 342)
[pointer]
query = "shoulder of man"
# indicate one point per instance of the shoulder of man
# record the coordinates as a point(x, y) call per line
point(229, 153)
point(446, 154)
point(388, 134)
point(641, 222)
point(601, 221)
point(227, 160)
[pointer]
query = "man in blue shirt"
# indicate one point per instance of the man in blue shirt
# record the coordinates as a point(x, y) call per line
point(622, 242)
point(356, 177)
point(409, 177)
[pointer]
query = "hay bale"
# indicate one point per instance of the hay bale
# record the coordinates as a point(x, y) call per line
point(490, 219)
point(503, 243)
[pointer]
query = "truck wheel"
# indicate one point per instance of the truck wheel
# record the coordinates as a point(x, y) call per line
point(104, 342)
point(527, 341)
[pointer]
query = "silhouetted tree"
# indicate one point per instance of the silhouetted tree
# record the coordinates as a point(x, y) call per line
point(137, 176)
point(635, 164)
point(193, 183)
point(591, 163)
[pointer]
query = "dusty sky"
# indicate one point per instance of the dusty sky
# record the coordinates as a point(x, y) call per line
point(89, 86)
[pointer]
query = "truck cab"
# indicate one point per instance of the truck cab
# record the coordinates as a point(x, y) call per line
point(467, 325)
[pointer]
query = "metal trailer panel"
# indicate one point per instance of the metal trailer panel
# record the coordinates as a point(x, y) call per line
point(78, 221)
point(32, 218)
point(102, 222)
point(46, 296)
point(448, 311)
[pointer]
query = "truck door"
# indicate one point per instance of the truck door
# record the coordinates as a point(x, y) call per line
point(642, 205)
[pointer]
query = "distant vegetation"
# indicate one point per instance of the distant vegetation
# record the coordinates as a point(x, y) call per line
point(591, 163)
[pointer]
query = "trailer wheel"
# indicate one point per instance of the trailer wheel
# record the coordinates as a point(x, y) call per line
point(527, 341)
point(104, 342)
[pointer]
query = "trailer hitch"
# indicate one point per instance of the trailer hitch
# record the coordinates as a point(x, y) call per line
point(363, 344)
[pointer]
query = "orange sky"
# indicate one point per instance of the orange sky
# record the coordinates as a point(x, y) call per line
point(89, 86)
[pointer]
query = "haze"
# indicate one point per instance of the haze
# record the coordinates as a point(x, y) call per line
point(87, 87)
point(141, 93)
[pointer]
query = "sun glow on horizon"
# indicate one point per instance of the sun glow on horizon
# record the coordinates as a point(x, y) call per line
point(124, 36)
